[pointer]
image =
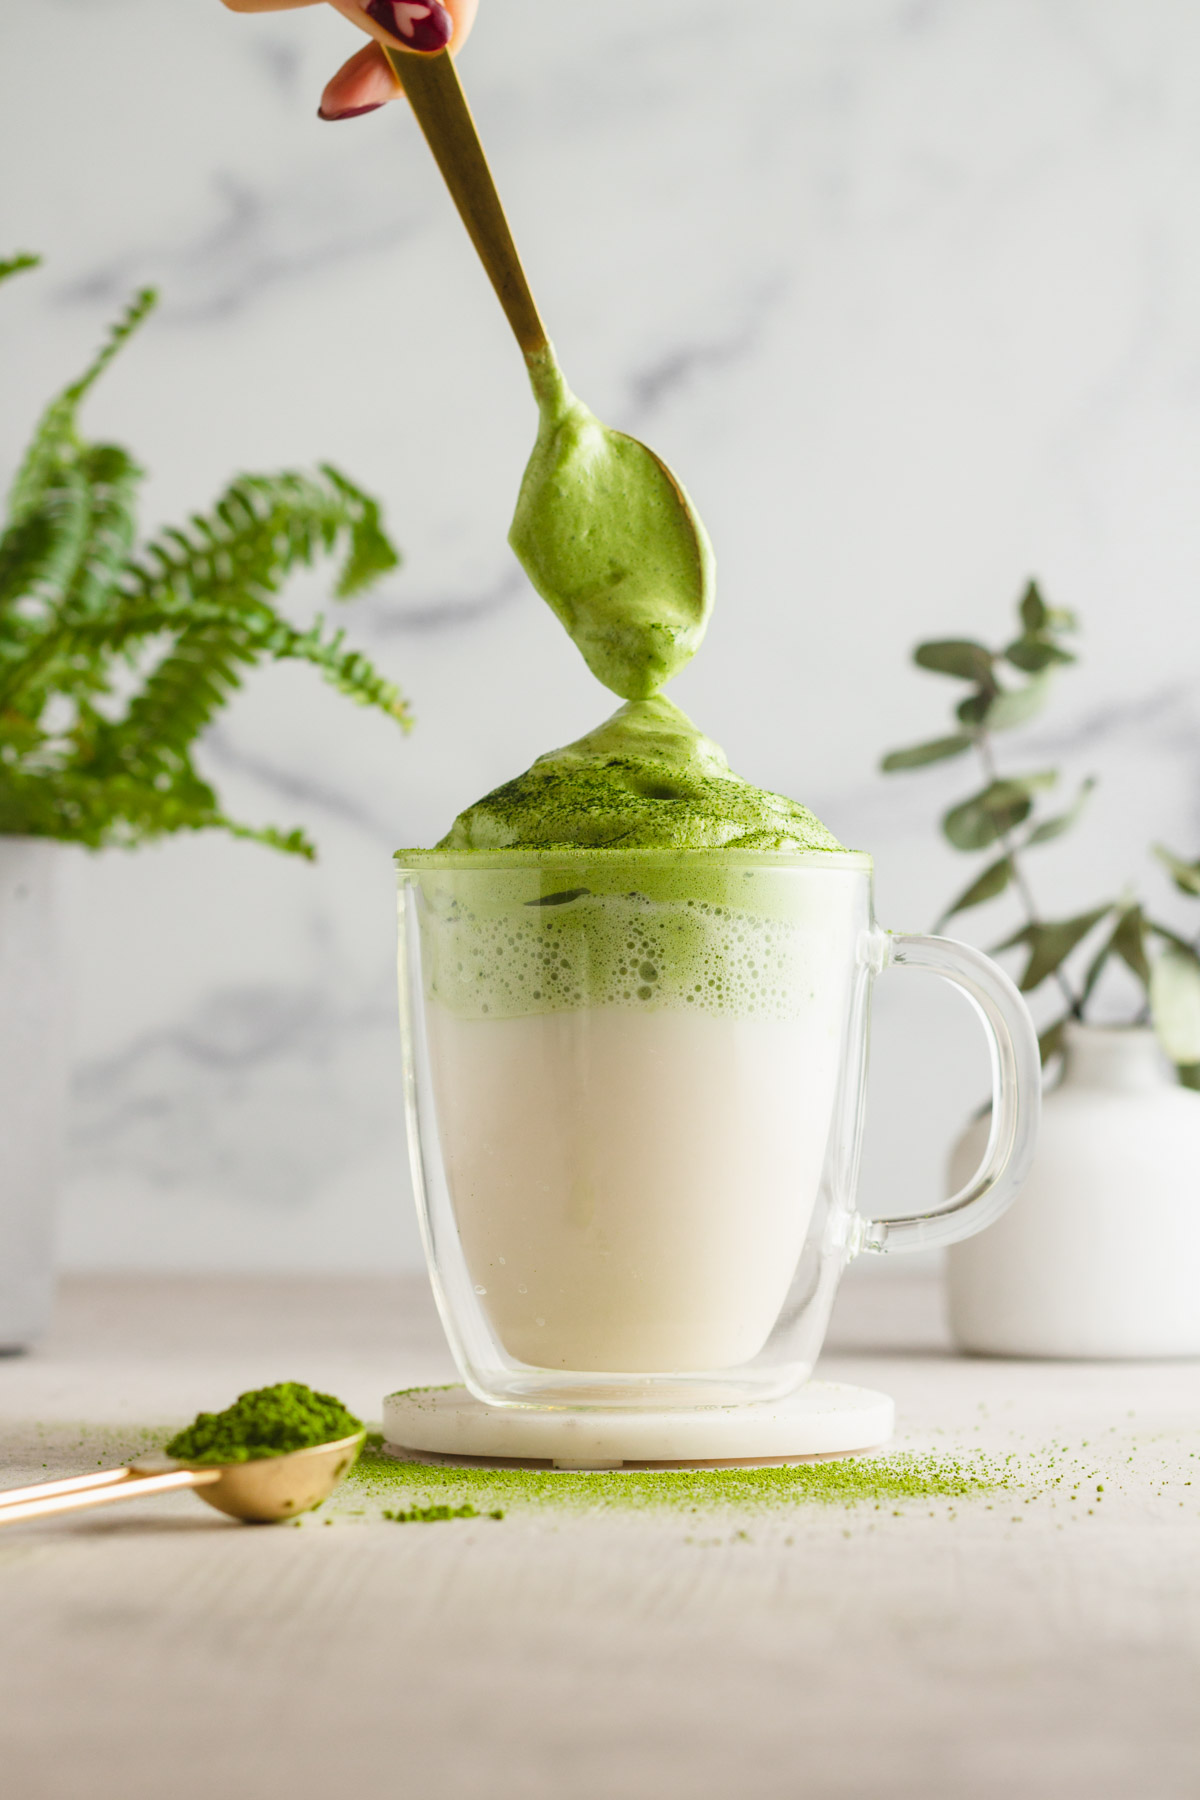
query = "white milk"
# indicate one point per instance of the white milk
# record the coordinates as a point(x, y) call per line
point(633, 1188)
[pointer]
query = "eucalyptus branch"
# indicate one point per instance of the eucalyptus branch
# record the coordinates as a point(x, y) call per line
point(1003, 816)
point(1013, 851)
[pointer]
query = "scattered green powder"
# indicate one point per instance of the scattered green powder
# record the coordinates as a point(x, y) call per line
point(433, 1515)
point(436, 1488)
point(268, 1421)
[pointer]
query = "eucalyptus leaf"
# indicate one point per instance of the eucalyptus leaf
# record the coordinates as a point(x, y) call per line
point(1033, 609)
point(999, 808)
point(1034, 654)
point(1129, 943)
point(1053, 828)
point(1050, 944)
point(1050, 1043)
point(1015, 706)
point(973, 710)
point(993, 881)
point(1095, 970)
point(1186, 876)
point(937, 750)
point(1175, 1004)
point(961, 657)
point(1010, 943)
point(1168, 936)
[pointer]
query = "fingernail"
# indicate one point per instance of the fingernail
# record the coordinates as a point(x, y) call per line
point(417, 24)
point(350, 112)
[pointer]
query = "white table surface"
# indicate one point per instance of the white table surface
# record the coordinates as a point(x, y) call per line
point(1018, 1645)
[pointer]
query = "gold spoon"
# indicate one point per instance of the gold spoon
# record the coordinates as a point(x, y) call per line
point(260, 1492)
point(603, 529)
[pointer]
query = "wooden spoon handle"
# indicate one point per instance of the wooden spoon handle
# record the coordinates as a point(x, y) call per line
point(433, 90)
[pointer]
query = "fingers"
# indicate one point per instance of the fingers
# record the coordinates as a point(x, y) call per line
point(367, 81)
point(253, 6)
point(361, 85)
point(426, 25)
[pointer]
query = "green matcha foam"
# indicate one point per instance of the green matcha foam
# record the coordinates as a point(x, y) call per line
point(636, 934)
point(646, 779)
point(578, 884)
point(612, 543)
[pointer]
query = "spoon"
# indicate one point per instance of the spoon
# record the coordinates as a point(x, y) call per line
point(260, 1492)
point(605, 532)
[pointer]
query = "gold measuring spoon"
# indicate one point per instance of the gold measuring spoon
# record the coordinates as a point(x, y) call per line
point(261, 1492)
point(605, 532)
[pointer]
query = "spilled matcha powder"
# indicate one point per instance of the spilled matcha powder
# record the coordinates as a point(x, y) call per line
point(435, 1515)
point(880, 1481)
point(270, 1421)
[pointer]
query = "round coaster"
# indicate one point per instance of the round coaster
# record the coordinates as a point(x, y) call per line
point(823, 1418)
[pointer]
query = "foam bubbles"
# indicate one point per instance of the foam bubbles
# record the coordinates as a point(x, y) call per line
point(623, 950)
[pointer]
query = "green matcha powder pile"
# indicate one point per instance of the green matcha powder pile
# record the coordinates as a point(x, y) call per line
point(268, 1421)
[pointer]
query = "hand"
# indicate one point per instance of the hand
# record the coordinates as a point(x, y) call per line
point(366, 82)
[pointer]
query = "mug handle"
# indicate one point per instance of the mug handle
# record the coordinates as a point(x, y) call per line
point(1016, 1096)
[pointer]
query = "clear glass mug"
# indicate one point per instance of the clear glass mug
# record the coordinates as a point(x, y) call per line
point(634, 1088)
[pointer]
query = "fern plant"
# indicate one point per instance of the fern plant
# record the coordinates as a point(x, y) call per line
point(115, 656)
point(1008, 687)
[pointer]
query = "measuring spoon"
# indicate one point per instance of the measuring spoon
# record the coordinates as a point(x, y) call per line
point(262, 1491)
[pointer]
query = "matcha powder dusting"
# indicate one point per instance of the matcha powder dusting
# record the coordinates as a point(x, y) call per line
point(268, 1421)
point(879, 1481)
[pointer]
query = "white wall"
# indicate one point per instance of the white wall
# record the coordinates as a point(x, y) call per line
point(908, 291)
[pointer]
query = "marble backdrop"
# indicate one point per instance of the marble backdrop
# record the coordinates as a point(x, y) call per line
point(907, 290)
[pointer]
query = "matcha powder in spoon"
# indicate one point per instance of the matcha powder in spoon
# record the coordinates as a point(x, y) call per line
point(270, 1421)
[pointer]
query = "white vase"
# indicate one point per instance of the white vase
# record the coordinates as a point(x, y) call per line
point(32, 1084)
point(1099, 1254)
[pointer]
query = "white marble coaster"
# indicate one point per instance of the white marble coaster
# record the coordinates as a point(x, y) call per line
point(823, 1418)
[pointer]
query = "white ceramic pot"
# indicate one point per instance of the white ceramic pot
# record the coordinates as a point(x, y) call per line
point(32, 1084)
point(1099, 1254)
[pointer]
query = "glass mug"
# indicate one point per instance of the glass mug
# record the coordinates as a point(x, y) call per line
point(634, 1089)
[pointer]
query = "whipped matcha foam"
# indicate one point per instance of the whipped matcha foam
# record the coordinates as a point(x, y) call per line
point(611, 542)
point(632, 936)
point(647, 779)
point(565, 929)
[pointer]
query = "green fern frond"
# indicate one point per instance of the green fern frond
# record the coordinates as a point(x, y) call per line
point(261, 529)
point(187, 615)
point(347, 670)
point(13, 265)
point(176, 702)
point(55, 433)
point(292, 843)
point(113, 479)
point(135, 314)
point(372, 554)
point(60, 567)
point(40, 552)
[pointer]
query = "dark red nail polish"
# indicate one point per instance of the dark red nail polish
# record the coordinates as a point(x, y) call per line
point(417, 24)
point(351, 112)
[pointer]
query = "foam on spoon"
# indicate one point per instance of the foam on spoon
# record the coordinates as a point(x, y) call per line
point(611, 542)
